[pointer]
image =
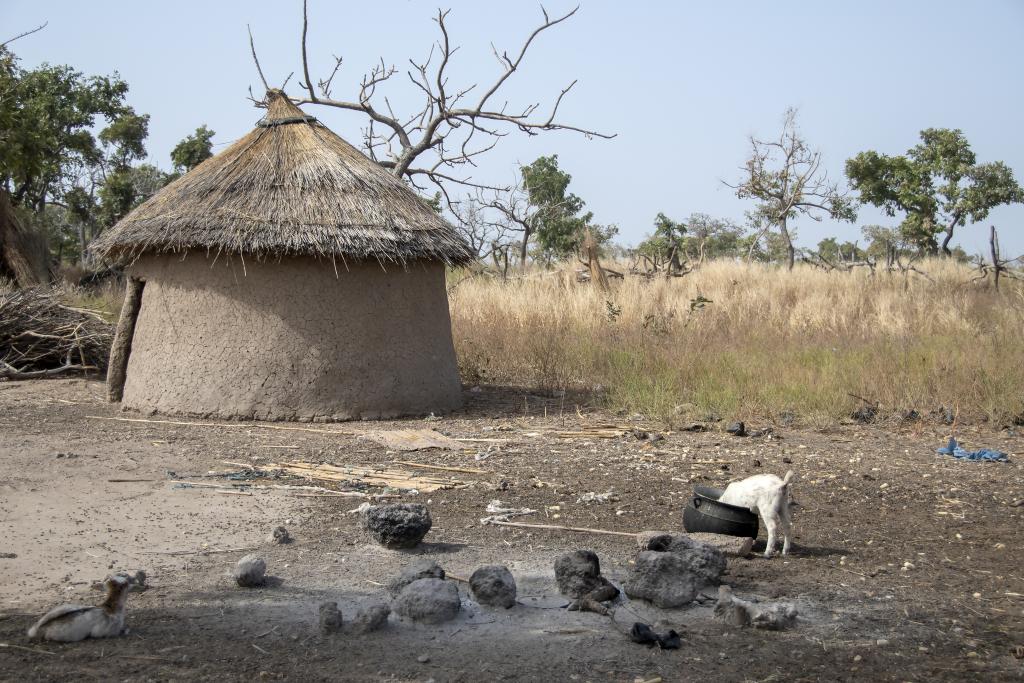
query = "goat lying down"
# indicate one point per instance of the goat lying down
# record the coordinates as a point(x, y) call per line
point(71, 623)
point(768, 496)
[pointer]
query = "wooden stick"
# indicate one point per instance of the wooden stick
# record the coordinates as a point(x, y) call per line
point(565, 528)
point(225, 425)
point(117, 368)
point(197, 552)
point(27, 649)
point(125, 481)
point(467, 470)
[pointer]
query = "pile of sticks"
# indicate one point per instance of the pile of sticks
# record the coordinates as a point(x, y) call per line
point(40, 337)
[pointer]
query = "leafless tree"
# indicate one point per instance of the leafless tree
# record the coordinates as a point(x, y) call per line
point(516, 214)
point(441, 142)
point(490, 239)
point(786, 179)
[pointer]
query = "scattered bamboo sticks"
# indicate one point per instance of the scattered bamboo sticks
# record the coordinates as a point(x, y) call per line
point(557, 527)
point(369, 475)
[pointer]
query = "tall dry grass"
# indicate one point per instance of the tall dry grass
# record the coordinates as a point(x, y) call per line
point(769, 343)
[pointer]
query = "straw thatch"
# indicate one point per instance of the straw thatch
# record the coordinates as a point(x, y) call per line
point(290, 187)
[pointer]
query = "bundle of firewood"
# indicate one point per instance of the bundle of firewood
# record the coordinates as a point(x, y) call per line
point(40, 337)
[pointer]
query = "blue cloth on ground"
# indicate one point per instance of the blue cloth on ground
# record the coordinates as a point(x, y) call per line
point(954, 449)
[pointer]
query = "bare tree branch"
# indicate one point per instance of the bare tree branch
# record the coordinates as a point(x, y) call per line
point(259, 69)
point(440, 128)
point(37, 29)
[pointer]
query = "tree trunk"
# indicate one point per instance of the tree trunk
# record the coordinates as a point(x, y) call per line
point(522, 249)
point(121, 349)
point(997, 263)
point(790, 251)
point(945, 242)
point(81, 243)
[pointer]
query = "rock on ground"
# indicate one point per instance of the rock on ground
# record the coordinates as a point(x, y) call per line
point(420, 569)
point(705, 561)
point(664, 579)
point(493, 585)
point(400, 525)
point(279, 535)
point(330, 617)
point(578, 573)
point(774, 616)
point(736, 546)
point(428, 600)
point(251, 571)
point(372, 618)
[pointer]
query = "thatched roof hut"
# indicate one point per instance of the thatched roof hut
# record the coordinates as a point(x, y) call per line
point(288, 277)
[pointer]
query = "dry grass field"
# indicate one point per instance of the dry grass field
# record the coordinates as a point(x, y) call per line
point(797, 347)
point(768, 344)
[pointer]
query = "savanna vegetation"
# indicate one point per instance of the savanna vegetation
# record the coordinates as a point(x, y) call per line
point(705, 316)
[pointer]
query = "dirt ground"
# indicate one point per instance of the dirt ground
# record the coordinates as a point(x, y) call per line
point(907, 565)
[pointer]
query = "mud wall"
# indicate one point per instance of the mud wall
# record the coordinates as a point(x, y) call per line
point(295, 339)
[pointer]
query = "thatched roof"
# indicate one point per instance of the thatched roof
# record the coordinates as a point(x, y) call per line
point(290, 187)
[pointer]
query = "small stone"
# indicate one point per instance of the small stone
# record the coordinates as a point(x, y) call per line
point(643, 538)
point(423, 659)
point(251, 571)
point(493, 585)
point(737, 429)
point(428, 600)
point(280, 536)
point(882, 641)
point(372, 618)
point(400, 525)
point(578, 573)
point(857, 658)
point(330, 617)
point(420, 569)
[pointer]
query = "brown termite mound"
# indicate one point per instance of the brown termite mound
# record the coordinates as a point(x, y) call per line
point(287, 278)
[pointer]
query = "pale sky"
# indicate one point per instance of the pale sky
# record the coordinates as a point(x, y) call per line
point(683, 84)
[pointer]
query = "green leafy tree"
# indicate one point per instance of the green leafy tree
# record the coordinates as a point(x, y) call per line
point(50, 155)
point(559, 226)
point(49, 114)
point(937, 185)
point(832, 251)
point(195, 149)
point(670, 235)
point(711, 238)
point(785, 178)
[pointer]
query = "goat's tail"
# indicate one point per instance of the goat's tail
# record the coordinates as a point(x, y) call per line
point(788, 478)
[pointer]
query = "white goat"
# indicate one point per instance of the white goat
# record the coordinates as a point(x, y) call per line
point(71, 623)
point(768, 496)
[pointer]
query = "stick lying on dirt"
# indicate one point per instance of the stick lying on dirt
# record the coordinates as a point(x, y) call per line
point(467, 470)
point(202, 551)
point(564, 528)
point(224, 425)
point(370, 475)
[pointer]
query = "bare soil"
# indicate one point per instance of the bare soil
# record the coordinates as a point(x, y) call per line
point(907, 565)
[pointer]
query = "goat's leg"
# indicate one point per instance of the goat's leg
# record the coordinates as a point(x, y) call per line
point(787, 527)
point(770, 523)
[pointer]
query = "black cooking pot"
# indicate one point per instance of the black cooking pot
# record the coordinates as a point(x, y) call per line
point(705, 514)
